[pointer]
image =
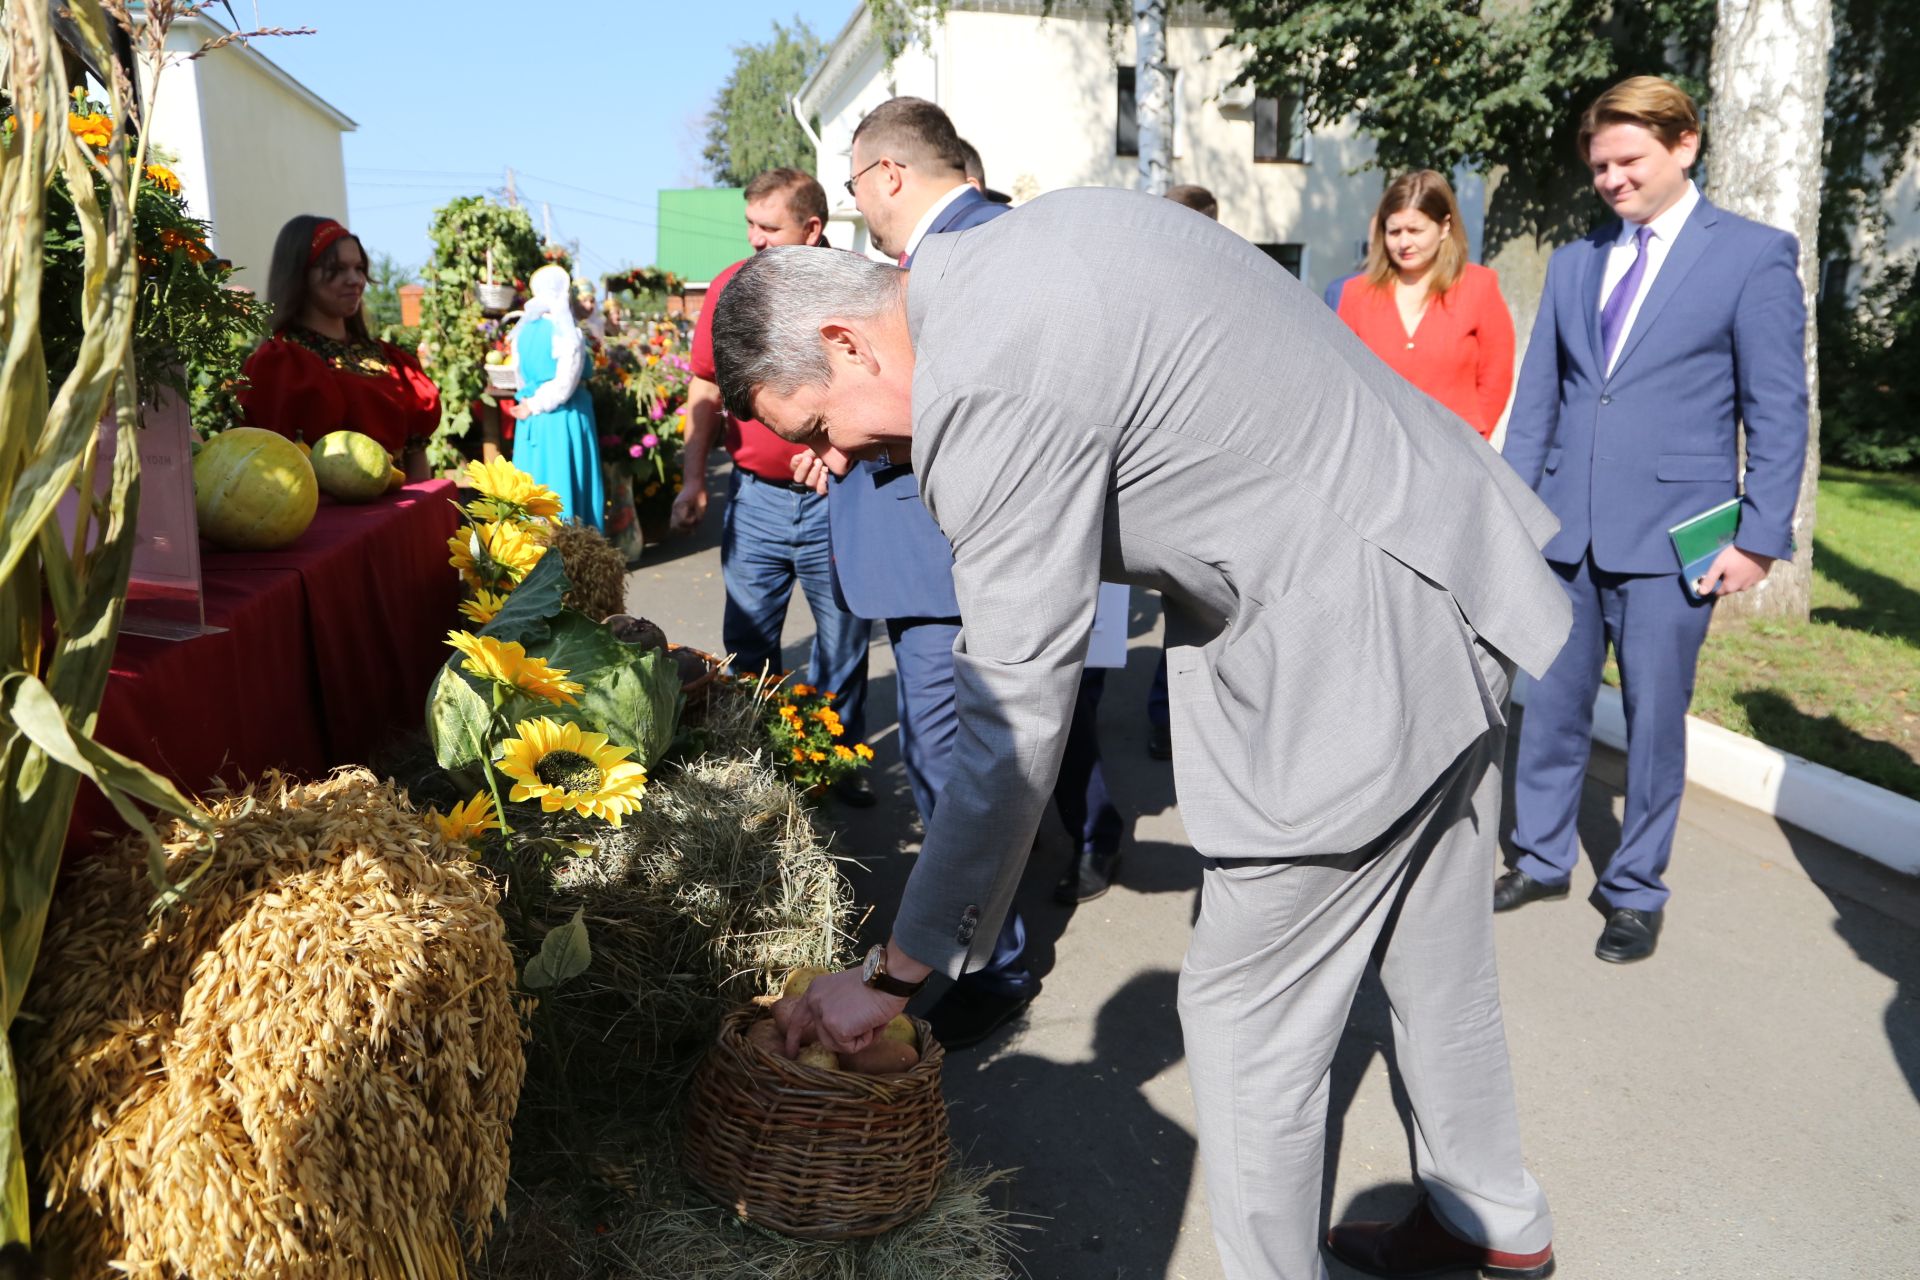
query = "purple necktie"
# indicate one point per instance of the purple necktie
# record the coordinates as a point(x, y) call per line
point(1613, 316)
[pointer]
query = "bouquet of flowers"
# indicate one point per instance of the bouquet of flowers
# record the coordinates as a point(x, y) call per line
point(639, 386)
point(806, 734)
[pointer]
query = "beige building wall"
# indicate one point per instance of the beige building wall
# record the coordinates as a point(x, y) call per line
point(252, 146)
point(1038, 97)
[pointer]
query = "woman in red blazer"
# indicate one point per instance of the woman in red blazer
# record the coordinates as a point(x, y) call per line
point(1436, 318)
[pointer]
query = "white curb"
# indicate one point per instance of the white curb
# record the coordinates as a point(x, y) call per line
point(1856, 815)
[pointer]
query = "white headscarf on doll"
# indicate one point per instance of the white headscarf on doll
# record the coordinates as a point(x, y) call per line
point(553, 298)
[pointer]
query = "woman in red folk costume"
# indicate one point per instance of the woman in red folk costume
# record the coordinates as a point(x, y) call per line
point(319, 369)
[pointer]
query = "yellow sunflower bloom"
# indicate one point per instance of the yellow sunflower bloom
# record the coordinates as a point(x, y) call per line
point(494, 554)
point(565, 767)
point(484, 607)
point(862, 750)
point(506, 662)
point(467, 820)
point(509, 491)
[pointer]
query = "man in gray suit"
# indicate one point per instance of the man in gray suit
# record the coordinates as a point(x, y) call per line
point(1350, 576)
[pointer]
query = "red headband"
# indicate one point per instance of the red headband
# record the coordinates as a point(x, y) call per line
point(324, 236)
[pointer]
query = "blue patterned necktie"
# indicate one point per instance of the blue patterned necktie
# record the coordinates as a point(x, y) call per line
point(1613, 316)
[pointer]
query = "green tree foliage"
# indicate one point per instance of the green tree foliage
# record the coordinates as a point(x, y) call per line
point(1440, 84)
point(1869, 396)
point(751, 128)
point(385, 275)
point(1873, 115)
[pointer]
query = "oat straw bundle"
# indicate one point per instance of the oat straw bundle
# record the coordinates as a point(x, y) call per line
point(310, 1070)
point(597, 572)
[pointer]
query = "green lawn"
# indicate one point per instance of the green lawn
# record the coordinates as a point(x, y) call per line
point(1844, 688)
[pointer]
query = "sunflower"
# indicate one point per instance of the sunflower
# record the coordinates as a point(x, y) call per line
point(494, 554)
point(565, 767)
point(467, 820)
point(483, 607)
point(506, 662)
point(507, 492)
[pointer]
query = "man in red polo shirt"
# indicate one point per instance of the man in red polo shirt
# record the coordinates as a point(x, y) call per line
point(775, 531)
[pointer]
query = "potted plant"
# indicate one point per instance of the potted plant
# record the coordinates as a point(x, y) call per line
point(475, 241)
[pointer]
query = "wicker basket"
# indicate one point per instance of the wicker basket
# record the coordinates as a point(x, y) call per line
point(823, 1155)
point(698, 672)
point(503, 377)
point(495, 297)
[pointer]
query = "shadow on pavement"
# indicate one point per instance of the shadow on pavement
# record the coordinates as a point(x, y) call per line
point(1111, 1199)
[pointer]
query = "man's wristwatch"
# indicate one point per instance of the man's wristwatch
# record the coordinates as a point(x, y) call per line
point(873, 973)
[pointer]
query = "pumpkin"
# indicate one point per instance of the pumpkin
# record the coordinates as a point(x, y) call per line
point(351, 467)
point(253, 490)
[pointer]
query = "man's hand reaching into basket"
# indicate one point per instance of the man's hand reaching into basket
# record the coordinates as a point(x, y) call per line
point(838, 1011)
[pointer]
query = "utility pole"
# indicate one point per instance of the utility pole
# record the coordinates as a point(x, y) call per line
point(513, 196)
point(546, 222)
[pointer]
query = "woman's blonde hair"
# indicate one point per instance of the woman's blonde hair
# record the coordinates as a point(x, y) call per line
point(1431, 194)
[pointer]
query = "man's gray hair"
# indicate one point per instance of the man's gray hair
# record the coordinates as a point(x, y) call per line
point(766, 326)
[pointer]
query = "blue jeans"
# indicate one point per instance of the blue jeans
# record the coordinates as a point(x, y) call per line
point(771, 535)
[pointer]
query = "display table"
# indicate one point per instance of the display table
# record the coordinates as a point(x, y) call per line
point(328, 649)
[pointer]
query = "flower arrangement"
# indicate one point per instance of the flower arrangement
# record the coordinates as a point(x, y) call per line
point(639, 386)
point(540, 694)
point(806, 734)
point(643, 282)
point(192, 330)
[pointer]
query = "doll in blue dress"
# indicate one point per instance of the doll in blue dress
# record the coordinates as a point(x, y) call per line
point(556, 442)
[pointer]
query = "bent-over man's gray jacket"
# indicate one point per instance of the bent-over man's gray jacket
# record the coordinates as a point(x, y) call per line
point(1108, 385)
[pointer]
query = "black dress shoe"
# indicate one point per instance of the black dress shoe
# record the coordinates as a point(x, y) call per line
point(1160, 741)
point(968, 1014)
point(1630, 935)
point(1089, 875)
point(1517, 889)
point(1421, 1245)
point(853, 792)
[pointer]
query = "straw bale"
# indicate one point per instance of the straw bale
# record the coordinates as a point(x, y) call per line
point(596, 571)
point(310, 1070)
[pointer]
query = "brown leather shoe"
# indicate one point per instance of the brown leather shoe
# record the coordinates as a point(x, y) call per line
point(1420, 1245)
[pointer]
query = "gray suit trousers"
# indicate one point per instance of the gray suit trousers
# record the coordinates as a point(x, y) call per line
point(1265, 992)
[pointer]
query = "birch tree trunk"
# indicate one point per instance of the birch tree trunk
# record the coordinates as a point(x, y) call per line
point(1153, 95)
point(1766, 118)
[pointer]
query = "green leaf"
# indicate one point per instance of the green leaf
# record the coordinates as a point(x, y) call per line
point(457, 719)
point(523, 618)
point(14, 1201)
point(564, 954)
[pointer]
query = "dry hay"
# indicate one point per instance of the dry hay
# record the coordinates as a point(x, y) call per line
point(309, 1070)
point(718, 886)
point(597, 572)
point(635, 1218)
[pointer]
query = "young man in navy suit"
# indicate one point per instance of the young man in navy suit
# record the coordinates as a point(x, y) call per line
point(1660, 338)
point(891, 561)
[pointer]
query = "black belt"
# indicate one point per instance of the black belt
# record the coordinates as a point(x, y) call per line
point(788, 485)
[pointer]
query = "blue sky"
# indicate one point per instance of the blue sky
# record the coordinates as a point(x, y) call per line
point(596, 104)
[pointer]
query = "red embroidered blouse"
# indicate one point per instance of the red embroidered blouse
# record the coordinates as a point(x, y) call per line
point(304, 385)
point(1461, 352)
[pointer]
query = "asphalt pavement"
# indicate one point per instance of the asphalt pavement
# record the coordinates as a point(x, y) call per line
point(1743, 1106)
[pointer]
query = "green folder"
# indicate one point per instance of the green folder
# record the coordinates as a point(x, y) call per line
point(1700, 540)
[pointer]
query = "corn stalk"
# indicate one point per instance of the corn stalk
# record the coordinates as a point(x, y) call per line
point(60, 602)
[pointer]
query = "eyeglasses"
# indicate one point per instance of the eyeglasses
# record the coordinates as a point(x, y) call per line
point(863, 173)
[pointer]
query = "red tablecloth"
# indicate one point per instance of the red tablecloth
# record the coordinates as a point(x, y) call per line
point(328, 651)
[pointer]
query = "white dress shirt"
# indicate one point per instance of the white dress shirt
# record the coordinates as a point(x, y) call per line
point(1620, 259)
point(934, 211)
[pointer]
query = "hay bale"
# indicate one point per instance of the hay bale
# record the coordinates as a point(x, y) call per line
point(596, 570)
point(693, 905)
point(309, 1070)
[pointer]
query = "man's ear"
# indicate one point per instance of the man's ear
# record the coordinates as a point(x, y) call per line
point(848, 344)
point(1686, 149)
